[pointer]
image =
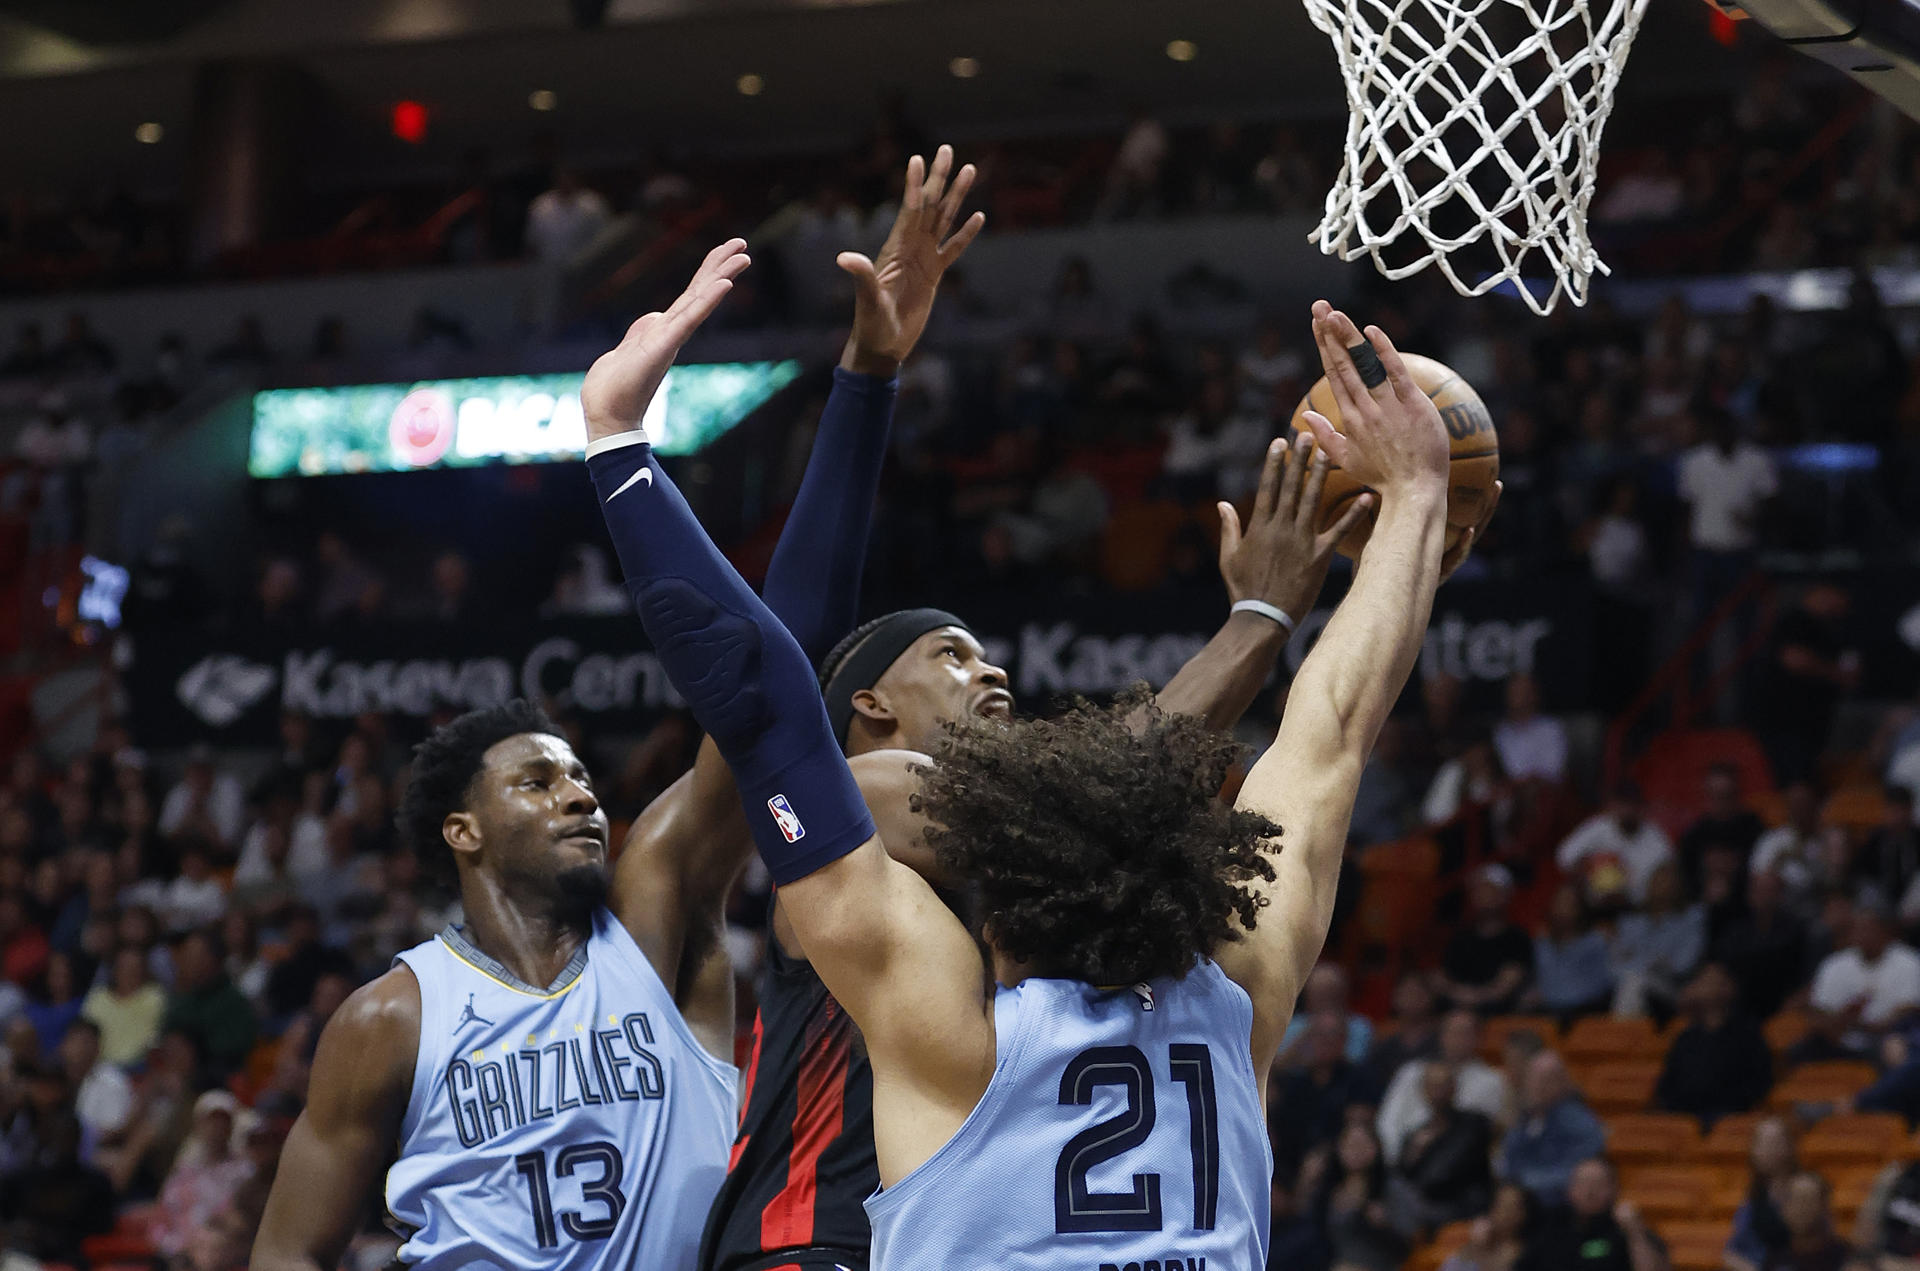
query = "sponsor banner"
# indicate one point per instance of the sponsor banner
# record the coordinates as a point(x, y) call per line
point(499, 419)
point(232, 691)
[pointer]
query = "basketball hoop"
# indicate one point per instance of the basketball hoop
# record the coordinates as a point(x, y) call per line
point(1474, 131)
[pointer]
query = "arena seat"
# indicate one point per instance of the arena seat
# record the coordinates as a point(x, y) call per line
point(1784, 1029)
point(1858, 808)
point(1429, 1256)
point(1668, 1191)
point(1618, 1086)
point(1603, 1037)
point(1852, 1185)
point(1727, 1142)
point(1821, 1083)
point(1673, 769)
point(1694, 1245)
point(1651, 1137)
point(1730, 1186)
point(1859, 1138)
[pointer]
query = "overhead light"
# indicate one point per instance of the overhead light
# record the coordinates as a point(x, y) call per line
point(149, 133)
point(750, 85)
point(1183, 50)
point(964, 67)
point(543, 99)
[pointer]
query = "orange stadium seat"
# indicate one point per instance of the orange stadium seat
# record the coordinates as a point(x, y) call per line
point(1436, 1251)
point(1728, 1140)
point(1668, 1191)
point(1858, 1139)
point(1695, 1245)
point(1616, 1087)
point(1730, 1186)
point(1852, 1184)
point(1651, 1137)
point(1858, 808)
point(1822, 1082)
point(1602, 1037)
point(1786, 1028)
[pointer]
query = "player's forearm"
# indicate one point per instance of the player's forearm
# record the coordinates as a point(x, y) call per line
point(747, 682)
point(1220, 682)
point(813, 580)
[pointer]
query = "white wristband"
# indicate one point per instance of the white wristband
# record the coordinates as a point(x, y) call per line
point(1266, 610)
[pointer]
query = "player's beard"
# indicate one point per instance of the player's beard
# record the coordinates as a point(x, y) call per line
point(579, 890)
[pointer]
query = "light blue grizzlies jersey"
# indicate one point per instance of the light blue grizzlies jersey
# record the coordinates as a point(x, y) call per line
point(582, 1127)
point(1122, 1131)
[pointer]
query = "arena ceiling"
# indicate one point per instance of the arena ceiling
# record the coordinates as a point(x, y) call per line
point(667, 70)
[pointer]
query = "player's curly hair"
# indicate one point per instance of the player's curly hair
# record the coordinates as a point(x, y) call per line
point(1095, 845)
point(444, 766)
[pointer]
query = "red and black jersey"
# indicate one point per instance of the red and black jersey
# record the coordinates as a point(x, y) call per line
point(803, 1162)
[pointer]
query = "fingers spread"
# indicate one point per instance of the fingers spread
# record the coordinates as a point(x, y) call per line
point(1335, 334)
point(916, 179)
point(1330, 442)
point(1279, 481)
point(963, 238)
point(956, 197)
point(1359, 511)
point(1309, 510)
point(937, 178)
point(1229, 533)
point(1398, 376)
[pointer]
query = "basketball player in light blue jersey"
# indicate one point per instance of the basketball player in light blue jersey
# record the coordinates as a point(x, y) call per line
point(1088, 1093)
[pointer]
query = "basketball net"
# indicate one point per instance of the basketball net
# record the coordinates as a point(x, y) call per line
point(1474, 124)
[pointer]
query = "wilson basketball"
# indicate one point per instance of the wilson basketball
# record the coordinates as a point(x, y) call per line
point(1476, 452)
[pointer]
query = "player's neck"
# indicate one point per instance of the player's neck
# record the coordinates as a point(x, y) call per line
point(533, 941)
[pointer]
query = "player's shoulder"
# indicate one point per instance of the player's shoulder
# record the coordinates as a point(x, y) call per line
point(888, 769)
point(380, 1017)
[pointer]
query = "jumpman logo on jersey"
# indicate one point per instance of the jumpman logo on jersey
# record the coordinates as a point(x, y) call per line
point(470, 1016)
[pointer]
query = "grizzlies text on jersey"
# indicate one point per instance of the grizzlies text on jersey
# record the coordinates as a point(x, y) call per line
point(1122, 1128)
point(578, 1127)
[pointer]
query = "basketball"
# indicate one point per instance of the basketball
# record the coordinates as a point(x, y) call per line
point(1476, 452)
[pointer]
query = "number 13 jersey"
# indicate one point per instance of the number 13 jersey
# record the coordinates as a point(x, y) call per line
point(1122, 1131)
point(573, 1128)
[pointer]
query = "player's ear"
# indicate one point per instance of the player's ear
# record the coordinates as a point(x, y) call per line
point(461, 830)
point(873, 704)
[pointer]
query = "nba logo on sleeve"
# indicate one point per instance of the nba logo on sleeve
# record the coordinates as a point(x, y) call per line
point(783, 817)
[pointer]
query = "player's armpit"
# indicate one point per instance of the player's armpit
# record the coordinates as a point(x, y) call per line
point(888, 780)
point(911, 976)
point(356, 1099)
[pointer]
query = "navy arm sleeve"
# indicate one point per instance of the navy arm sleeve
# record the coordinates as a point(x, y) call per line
point(748, 683)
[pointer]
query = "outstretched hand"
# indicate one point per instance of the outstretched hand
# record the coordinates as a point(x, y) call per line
point(1392, 437)
point(1282, 556)
point(894, 294)
point(622, 381)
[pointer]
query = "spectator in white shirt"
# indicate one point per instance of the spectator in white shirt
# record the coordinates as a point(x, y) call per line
point(1479, 1086)
point(1532, 746)
point(1724, 482)
point(566, 219)
point(1872, 985)
point(1615, 853)
point(1794, 851)
point(103, 1096)
point(195, 898)
point(204, 802)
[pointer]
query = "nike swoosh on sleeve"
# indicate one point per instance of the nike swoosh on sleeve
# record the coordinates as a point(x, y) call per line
point(642, 477)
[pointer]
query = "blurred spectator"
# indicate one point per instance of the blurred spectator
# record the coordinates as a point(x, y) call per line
point(1296, 1241)
point(566, 219)
point(1274, 363)
point(1214, 447)
point(1765, 948)
point(585, 587)
point(1556, 1131)
point(1353, 1205)
point(204, 802)
point(23, 945)
point(204, 1179)
point(1309, 1102)
point(57, 1004)
point(55, 1200)
point(1134, 180)
point(1587, 1226)
point(1655, 949)
point(1532, 746)
point(1571, 971)
point(1477, 1086)
point(103, 1097)
point(165, 587)
point(1489, 959)
point(195, 898)
point(1795, 851)
point(247, 350)
point(162, 1115)
point(1412, 1034)
point(345, 582)
point(205, 1004)
point(1724, 481)
point(1472, 778)
point(1759, 1230)
point(1720, 1063)
point(1726, 826)
point(1808, 667)
point(1889, 857)
point(1811, 1242)
point(1615, 853)
point(1327, 994)
point(1445, 1171)
point(1872, 985)
point(1495, 1240)
point(1887, 1233)
point(127, 1009)
point(1384, 805)
point(305, 959)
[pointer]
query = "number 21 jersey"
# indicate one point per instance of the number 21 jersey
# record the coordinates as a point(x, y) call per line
point(1122, 1131)
point(577, 1127)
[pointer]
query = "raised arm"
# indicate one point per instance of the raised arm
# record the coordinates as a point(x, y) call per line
point(904, 967)
point(362, 1078)
point(686, 849)
point(1306, 782)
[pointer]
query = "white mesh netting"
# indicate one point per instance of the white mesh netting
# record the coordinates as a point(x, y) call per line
point(1474, 136)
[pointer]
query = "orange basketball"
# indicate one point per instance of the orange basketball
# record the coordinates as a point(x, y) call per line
point(1476, 452)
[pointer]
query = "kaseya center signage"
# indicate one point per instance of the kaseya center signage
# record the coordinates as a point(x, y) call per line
point(309, 432)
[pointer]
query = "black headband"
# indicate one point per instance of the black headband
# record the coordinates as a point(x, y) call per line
point(870, 659)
